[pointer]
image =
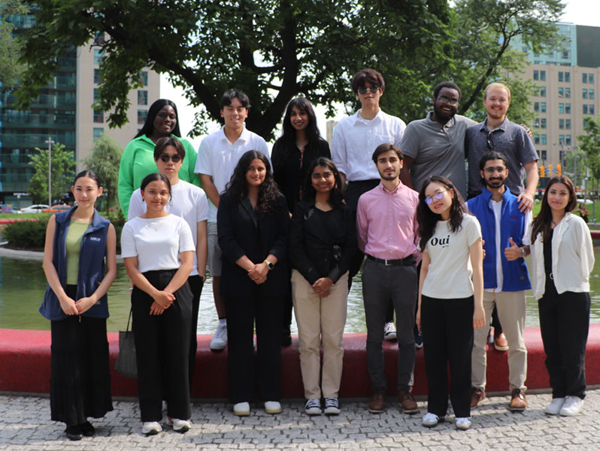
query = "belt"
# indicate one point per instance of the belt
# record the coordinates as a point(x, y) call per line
point(408, 261)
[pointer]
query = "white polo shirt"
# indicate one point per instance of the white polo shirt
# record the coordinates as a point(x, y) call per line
point(218, 158)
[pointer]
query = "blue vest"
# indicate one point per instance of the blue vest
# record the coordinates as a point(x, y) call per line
point(91, 265)
point(512, 224)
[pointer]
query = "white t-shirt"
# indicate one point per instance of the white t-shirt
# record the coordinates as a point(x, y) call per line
point(218, 158)
point(156, 242)
point(449, 273)
point(189, 202)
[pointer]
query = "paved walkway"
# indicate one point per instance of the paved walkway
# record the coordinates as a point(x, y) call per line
point(25, 425)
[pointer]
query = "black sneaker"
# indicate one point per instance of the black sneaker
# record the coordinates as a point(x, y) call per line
point(74, 432)
point(87, 429)
point(332, 406)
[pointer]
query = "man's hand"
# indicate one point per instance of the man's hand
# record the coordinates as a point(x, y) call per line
point(525, 202)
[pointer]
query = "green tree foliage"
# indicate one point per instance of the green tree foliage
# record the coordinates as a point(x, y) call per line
point(105, 160)
point(590, 144)
point(271, 49)
point(482, 53)
point(9, 48)
point(63, 164)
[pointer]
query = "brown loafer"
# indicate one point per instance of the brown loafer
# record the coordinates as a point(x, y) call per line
point(377, 403)
point(477, 395)
point(407, 402)
point(500, 342)
point(518, 401)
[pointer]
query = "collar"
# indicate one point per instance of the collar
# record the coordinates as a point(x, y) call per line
point(487, 195)
point(385, 190)
point(65, 217)
point(357, 119)
point(244, 137)
point(436, 124)
point(484, 128)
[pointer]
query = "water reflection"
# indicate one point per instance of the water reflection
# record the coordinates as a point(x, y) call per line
point(22, 286)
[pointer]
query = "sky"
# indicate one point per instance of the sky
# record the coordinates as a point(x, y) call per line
point(579, 12)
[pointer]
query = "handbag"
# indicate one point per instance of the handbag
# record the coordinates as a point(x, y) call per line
point(126, 361)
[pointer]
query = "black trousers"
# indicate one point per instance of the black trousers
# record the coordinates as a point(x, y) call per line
point(162, 344)
point(564, 324)
point(80, 372)
point(447, 327)
point(196, 285)
point(242, 312)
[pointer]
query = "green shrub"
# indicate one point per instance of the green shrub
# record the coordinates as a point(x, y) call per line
point(27, 234)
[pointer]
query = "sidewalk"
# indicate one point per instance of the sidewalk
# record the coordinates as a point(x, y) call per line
point(25, 425)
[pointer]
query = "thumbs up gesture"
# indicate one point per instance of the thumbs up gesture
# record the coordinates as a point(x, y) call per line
point(513, 252)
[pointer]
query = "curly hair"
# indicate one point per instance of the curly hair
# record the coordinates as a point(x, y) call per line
point(336, 197)
point(542, 224)
point(270, 199)
point(427, 219)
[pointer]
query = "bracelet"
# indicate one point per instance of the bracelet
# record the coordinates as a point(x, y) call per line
point(523, 252)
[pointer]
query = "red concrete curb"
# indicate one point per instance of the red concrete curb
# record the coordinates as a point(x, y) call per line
point(25, 366)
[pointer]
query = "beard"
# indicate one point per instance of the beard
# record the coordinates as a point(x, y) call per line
point(494, 183)
point(441, 115)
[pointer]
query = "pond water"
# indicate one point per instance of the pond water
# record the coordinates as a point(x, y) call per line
point(22, 286)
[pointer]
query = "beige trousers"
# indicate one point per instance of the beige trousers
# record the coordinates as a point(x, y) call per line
point(320, 321)
point(511, 307)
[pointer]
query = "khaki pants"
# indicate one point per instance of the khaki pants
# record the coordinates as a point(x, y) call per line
point(320, 320)
point(511, 307)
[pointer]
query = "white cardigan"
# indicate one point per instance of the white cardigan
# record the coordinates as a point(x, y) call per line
point(572, 258)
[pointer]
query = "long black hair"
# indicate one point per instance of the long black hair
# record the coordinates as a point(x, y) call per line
point(158, 105)
point(428, 219)
point(270, 199)
point(336, 198)
point(288, 135)
point(542, 224)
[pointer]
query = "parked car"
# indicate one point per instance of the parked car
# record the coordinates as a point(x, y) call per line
point(35, 209)
point(57, 208)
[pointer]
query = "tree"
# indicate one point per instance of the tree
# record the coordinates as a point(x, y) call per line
point(590, 144)
point(63, 164)
point(271, 49)
point(9, 48)
point(105, 160)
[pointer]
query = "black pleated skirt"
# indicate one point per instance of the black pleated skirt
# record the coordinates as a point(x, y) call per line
point(80, 376)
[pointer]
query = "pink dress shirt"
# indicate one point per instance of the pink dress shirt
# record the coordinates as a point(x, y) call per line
point(386, 223)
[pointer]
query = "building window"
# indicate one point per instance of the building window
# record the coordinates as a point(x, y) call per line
point(592, 109)
point(144, 78)
point(543, 91)
point(544, 140)
point(567, 77)
point(591, 94)
point(561, 76)
point(543, 107)
point(585, 108)
point(585, 93)
point(568, 140)
point(98, 132)
point(543, 122)
point(561, 139)
point(96, 94)
point(561, 92)
point(142, 97)
point(536, 123)
point(536, 74)
point(561, 108)
point(567, 108)
point(543, 75)
point(536, 138)
point(536, 107)
point(561, 123)
point(97, 56)
point(568, 124)
point(97, 76)
point(591, 78)
point(141, 116)
point(584, 78)
point(98, 117)
point(543, 155)
point(99, 38)
point(567, 93)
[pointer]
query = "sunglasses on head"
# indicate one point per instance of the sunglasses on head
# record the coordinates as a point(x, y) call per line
point(165, 158)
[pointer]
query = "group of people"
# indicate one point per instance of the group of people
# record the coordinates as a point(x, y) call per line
point(292, 229)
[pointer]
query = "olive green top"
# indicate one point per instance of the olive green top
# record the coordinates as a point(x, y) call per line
point(74, 235)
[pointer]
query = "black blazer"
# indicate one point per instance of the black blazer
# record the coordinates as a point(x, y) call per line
point(243, 231)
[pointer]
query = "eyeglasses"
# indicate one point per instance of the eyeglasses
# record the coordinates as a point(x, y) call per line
point(373, 90)
point(436, 196)
point(445, 99)
point(166, 157)
point(493, 169)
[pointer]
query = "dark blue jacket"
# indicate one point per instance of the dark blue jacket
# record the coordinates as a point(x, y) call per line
point(91, 265)
point(512, 224)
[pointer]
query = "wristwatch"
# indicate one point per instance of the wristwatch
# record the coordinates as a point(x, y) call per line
point(523, 252)
point(269, 264)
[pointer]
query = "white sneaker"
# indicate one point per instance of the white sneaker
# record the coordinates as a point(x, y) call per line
point(151, 428)
point(430, 420)
point(554, 407)
point(272, 407)
point(181, 426)
point(572, 406)
point(389, 332)
point(241, 409)
point(463, 423)
point(219, 340)
point(313, 407)
point(332, 406)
